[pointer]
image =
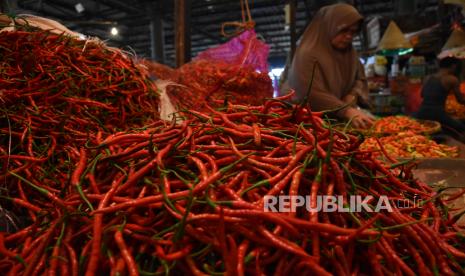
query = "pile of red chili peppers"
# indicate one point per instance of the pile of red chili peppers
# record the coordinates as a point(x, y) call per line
point(202, 82)
point(187, 198)
point(59, 85)
point(94, 191)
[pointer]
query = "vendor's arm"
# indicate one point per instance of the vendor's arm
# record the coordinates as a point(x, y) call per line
point(453, 83)
point(358, 95)
point(359, 92)
point(321, 99)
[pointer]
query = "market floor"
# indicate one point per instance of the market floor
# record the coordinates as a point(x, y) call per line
point(449, 173)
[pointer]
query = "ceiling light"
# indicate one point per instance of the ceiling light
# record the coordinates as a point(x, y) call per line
point(79, 7)
point(114, 31)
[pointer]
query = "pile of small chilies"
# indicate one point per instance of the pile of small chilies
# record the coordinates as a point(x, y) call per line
point(399, 123)
point(187, 197)
point(405, 138)
point(408, 144)
point(454, 108)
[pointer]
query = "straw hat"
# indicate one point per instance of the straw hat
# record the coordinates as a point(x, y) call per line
point(458, 52)
point(454, 46)
point(393, 39)
point(456, 39)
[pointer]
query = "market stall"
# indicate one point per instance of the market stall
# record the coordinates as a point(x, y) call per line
point(95, 180)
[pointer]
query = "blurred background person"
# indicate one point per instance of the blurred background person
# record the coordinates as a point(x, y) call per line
point(434, 93)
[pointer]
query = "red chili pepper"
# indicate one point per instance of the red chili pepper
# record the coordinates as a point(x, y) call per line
point(38, 259)
point(132, 267)
point(5, 251)
point(98, 229)
point(314, 267)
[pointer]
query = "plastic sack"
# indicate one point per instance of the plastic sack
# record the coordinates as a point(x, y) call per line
point(35, 21)
point(165, 108)
point(243, 50)
point(235, 71)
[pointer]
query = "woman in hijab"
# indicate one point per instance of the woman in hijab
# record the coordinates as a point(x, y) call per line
point(325, 54)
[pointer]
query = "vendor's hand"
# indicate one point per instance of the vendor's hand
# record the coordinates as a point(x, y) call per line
point(358, 118)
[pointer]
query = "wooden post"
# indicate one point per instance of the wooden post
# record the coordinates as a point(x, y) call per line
point(157, 41)
point(182, 31)
point(292, 26)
